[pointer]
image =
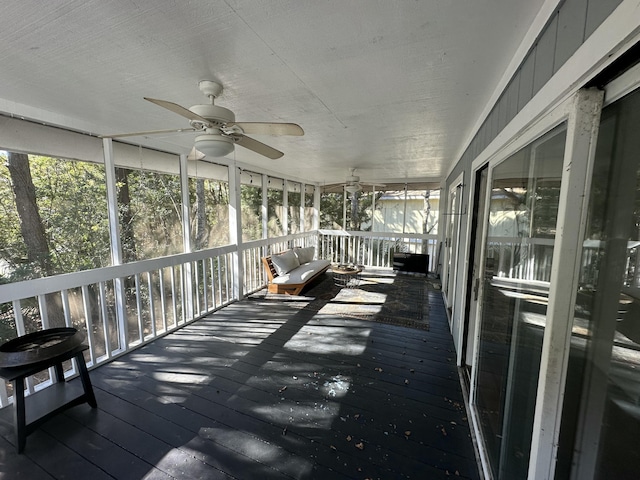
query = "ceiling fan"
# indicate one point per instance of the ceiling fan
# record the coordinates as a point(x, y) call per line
point(218, 130)
point(352, 184)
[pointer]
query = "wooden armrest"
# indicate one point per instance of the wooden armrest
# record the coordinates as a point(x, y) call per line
point(268, 265)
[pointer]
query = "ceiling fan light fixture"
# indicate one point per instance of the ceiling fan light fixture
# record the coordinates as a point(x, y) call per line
point(352, 188)
point(214, 145)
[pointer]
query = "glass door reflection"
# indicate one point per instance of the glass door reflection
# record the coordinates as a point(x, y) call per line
point(518, 252)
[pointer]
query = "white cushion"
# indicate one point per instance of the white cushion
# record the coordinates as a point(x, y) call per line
point(304, 254)
point(303, 273)
point(285, 262)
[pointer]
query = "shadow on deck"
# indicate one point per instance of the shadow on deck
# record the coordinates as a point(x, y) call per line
point(265, 389)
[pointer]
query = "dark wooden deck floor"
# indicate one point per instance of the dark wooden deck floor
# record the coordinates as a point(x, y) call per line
point(262, 390)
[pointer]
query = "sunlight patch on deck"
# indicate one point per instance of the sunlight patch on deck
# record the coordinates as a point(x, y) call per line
point(255, 448)
point(329, 340)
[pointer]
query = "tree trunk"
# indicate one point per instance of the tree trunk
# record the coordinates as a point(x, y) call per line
point(355, 220)
point(129, 251)
point(201, 218)
point(32, 229)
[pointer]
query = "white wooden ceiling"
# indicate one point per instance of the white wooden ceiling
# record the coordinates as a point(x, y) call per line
point(391, 87)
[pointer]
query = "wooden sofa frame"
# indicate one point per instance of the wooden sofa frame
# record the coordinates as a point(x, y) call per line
point(289, 288)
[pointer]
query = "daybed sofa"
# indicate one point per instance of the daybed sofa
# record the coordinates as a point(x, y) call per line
point(289, 272)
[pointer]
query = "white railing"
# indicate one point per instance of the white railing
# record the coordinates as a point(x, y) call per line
point(525, 258)
point(122, 307)
point(375, 249)
point(118, 308)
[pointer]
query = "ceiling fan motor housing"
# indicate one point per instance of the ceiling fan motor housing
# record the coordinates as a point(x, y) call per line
point(218, 116)
point(353, 179)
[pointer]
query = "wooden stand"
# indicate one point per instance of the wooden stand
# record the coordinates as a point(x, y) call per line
point(30, 412)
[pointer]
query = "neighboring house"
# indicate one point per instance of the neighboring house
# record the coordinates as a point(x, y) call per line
point(419, 216)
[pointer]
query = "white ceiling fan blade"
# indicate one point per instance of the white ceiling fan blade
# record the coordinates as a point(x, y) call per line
point(195, 154)
point(257, 146)
point(265, 128)
point(149, 132)
point(175, 108)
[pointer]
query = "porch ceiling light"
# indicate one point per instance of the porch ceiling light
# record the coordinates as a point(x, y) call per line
point(352, 188)
point(213, 145)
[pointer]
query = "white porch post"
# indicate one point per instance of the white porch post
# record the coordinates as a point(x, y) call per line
point(316, 220)
point(316, 207)
point(184, 190)
point(112, 202)
point(303, 199)
point(235, 230)
point(265, 205)
point(404, 210)
point(344, 208)
point(114, 236)
point(373, 208)
point(285, 207)
point(186, 236)
point(582, 129)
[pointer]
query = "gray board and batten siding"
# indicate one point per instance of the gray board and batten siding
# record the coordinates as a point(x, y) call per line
point(567, 29)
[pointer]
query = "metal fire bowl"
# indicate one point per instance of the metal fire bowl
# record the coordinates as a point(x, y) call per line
point(39, 346)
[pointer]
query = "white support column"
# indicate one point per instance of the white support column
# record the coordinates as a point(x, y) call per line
point(404, 210)
point(316, 207)
point(265, 206)
point(114, 235)
point(112, 202)
point(373, 207)
point(582, 129)
point(303, 199)
point(186, 208)
point(285, 207)
point(186, 235)
point(235, 230)
point(344, 208)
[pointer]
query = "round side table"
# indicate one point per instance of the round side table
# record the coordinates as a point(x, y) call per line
point(346, 276)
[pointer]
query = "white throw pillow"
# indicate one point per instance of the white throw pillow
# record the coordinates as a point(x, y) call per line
point(305, 254)
point(285, 262)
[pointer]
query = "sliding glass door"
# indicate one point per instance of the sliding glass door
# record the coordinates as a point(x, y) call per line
point(518, 252)
point(454, 209)
point(601, 415)
point(474, 276)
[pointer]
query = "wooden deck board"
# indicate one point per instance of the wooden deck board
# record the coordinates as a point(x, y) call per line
point(264, 389)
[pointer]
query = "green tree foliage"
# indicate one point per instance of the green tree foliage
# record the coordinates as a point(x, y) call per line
point(210, 228)
point(294, 199)
point(156, 213)
point(275, 200)
point(71, 204)
point(71, 198)
point(331, 211)
point(251, 206)
point(358, 210)
point(545, 211)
